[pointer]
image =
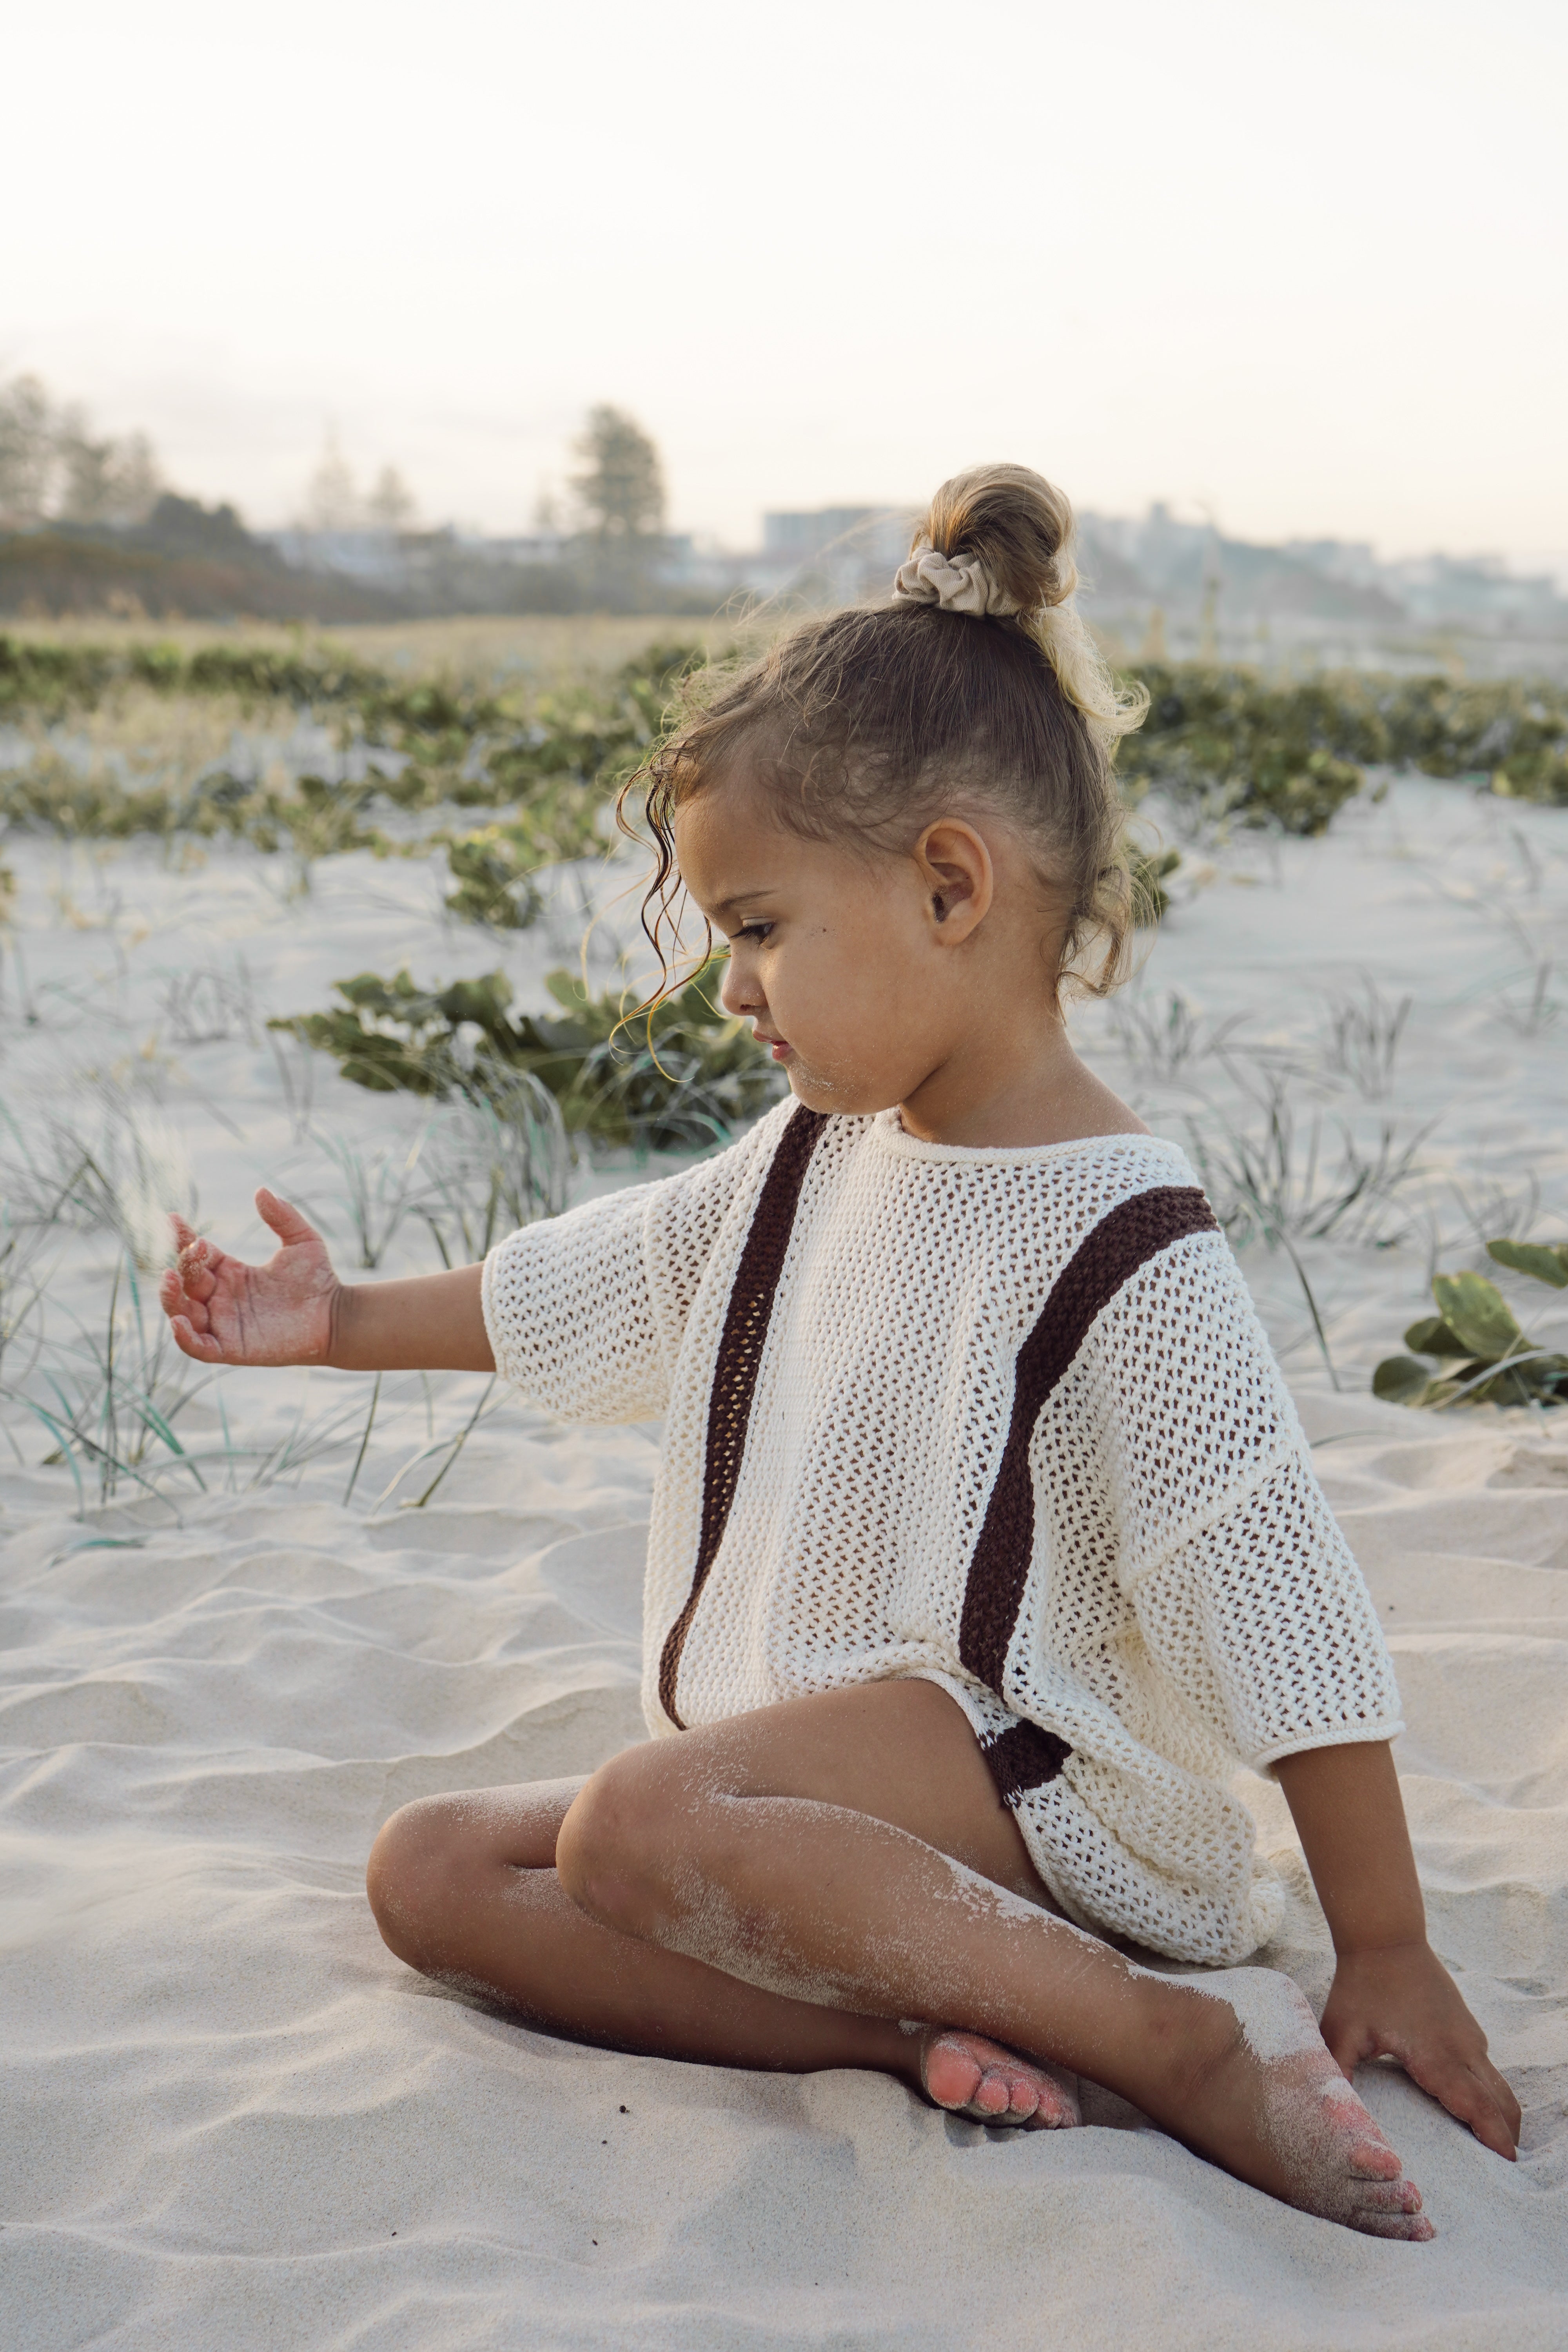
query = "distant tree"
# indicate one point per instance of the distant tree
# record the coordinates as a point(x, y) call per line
point(29, 452)
point(179, 526)
point(621, 487)
point(112, 482)
point(391, 503)
point(332, 502)
point(53, 466)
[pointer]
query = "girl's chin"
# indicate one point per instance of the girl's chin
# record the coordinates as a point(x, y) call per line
point(833, 1096)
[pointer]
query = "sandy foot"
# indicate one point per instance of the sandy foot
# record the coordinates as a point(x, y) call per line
point(1271, 2106)
point(973, 2076)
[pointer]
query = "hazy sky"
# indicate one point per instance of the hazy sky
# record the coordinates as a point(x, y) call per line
point(1300, 264)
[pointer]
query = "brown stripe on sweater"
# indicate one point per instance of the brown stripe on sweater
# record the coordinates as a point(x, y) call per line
point(1023, 1757)
point(746, 1321)
point(1107, 1257)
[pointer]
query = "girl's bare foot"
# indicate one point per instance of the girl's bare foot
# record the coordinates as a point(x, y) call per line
point(972, 2077)
point(1263, 2098)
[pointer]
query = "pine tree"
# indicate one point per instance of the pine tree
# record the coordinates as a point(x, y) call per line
point(621, 487)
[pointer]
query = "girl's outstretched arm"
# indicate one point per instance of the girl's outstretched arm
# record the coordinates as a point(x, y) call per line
point(294, 1310)
point(1391, 1995)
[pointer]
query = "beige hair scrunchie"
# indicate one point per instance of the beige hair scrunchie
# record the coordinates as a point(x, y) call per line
point(958, 584)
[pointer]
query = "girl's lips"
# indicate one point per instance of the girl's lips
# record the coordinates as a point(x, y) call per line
point(779, 1048)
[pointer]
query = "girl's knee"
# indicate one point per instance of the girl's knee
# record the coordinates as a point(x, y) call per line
point(611, 1843)
point(407, 1879)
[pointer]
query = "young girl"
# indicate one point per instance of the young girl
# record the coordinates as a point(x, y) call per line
point(986, 1542)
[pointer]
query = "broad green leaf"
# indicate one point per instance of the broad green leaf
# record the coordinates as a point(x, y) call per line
point(1547, 1261)
point(1432, 1336)
point(1506, 1387)
point(1400, 1379)
point(1476, 1310)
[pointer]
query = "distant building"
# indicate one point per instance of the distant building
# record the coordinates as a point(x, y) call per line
point(1147, 582)
point(379, 558)
point(833, 554)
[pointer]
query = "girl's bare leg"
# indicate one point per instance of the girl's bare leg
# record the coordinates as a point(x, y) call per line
point(732, 1846)
point(844, 1859)
point(464, 1888)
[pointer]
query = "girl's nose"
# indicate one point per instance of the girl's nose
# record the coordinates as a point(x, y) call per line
point(740, 991)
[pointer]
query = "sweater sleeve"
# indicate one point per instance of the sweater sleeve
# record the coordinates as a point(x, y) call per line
point(586, 1312)
point(1245, 1591)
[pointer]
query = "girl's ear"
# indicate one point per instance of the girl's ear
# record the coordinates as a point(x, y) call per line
point(960, 881)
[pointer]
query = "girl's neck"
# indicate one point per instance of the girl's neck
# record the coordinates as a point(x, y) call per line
point(1000, 1099)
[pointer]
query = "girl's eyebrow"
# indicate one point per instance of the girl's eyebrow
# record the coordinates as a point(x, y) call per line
point(742, 898)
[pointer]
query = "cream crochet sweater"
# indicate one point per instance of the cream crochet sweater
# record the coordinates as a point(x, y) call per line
point(1006, 1420)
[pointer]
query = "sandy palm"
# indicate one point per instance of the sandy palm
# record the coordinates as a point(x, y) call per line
point(225, 1312)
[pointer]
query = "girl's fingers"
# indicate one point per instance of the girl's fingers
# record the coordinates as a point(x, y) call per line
point(193, 1264)
point(195, 1273)
point(184, 1236)
point(1502, 2090)
point(176, 1299)
point(192, 1342)
point(284, 1219)
point(1472, 2089)
point(1470, 2101)
point(1499, 2091)
point(1490, 2127)
point(1346, 2050)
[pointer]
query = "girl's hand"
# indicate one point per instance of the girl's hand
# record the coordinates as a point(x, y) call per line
point(1399, 2001)
point(223, 1312)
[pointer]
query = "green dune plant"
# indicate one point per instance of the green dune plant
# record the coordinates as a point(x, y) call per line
point(1239, 748)
point(1234, 748)
point(106, 746)
point(1229, 743)
point(681, 1079)
point(1481, 1355)
point(96, 1390)
point(108, 1396)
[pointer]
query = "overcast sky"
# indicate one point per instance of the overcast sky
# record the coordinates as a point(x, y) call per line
point(1300, 266)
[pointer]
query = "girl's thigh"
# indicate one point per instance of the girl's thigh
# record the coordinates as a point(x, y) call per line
point(900, 1751)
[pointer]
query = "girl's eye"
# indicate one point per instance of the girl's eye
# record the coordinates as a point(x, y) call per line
point(753, 930)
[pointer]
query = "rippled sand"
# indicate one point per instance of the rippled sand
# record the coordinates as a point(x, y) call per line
point(231, 2119)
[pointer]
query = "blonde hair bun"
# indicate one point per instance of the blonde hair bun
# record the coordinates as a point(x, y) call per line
point(1018, 529)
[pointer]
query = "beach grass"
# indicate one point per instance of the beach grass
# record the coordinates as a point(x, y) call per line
point(492, 751)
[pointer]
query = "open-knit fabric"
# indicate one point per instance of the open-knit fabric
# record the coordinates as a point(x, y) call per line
point(1006, 1420)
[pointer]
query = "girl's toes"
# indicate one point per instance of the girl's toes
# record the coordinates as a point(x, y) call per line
point(968, 2075)
point(1413, 2228)
point(993, 2098)
point(1023, 2097)
point(951, 2073)
point(1374, 2160)
point(1057, 2103)
point(1390, 2197)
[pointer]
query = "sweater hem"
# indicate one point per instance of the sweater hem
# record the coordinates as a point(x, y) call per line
point(1339, 1735)
point(490, 1313)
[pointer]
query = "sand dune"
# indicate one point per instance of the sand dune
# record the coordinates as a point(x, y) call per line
point(234, 2120)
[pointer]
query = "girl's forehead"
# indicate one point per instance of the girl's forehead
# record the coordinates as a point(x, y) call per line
point(725, 837)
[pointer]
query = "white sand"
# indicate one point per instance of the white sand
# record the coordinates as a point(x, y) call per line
point(231, 2119)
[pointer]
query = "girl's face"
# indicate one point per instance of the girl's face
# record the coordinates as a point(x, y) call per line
point(871, 977)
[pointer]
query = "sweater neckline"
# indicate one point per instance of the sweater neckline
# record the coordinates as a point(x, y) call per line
point(887, 1131)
